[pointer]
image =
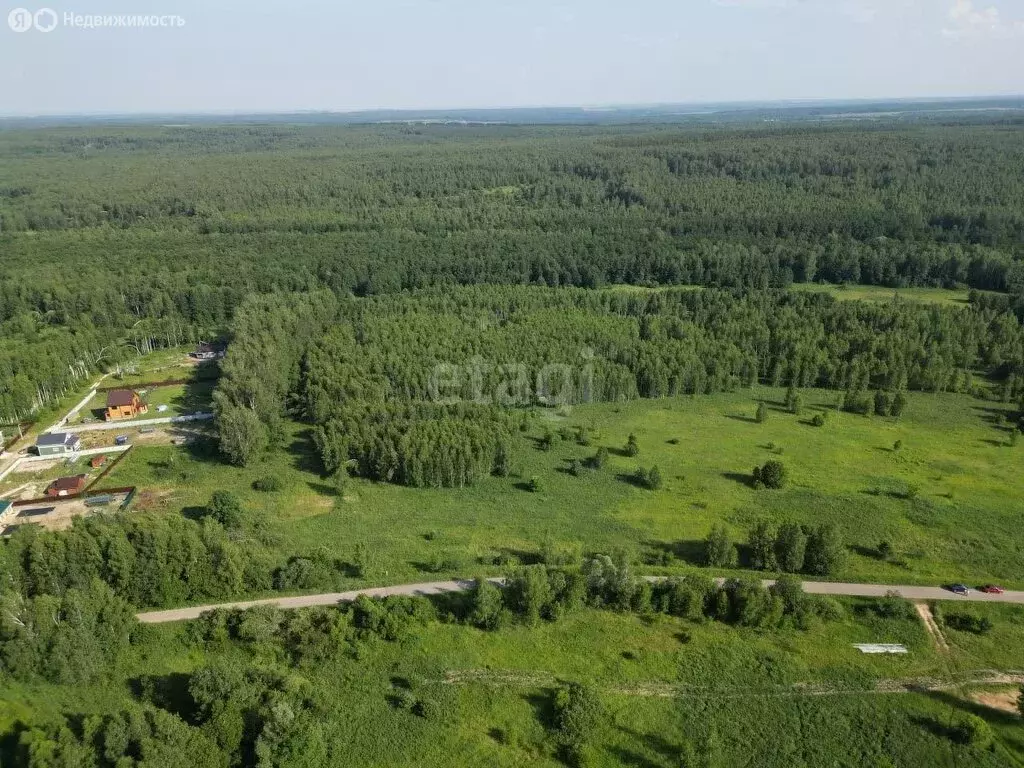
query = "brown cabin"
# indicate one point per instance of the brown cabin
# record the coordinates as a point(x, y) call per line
point(124, 404)
point(98, 461)
point(66, 486)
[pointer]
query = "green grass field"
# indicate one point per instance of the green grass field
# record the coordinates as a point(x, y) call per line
point(881, 293)
point(766, 698)
point(843, 292)
point(948, 500)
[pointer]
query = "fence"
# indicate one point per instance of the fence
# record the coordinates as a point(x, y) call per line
point(24, 427)
point(127, 425)
point(150, 385)
point(84, 495)
point(108, 469)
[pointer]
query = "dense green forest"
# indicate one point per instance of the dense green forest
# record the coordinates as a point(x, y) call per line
point(421, 389)
point(153, 236)
point(415, 305)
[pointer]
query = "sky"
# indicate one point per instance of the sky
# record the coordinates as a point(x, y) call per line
point(258, 56)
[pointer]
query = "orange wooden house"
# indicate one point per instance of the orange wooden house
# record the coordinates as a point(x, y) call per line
point(124, 404)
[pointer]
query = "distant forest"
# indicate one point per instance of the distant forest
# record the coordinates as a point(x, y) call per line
point(115, 239)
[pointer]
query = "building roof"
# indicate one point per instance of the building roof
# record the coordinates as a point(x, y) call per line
point(72, 483)
point(120, 397)
point(55, 438)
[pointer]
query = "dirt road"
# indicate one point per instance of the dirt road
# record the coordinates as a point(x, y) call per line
point(441, 587)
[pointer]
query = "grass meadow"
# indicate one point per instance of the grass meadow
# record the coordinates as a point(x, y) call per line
point(948, 500)
point(741, 696)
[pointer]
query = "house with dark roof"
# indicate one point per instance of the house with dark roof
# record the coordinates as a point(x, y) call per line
point(66, 486)
point(124, 404)
point(58, 443)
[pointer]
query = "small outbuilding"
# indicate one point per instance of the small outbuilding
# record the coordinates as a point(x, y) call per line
point(124, 404)
point(98, 461)
point(58, 444)
point(67, 486)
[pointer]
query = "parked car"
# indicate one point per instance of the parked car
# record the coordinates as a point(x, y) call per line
point(959, 589)
point(121, 440)
point(992, 589)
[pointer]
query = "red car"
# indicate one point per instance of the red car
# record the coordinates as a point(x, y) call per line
point(992, 589)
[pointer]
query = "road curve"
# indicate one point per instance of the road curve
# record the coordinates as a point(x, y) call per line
point(442, 587)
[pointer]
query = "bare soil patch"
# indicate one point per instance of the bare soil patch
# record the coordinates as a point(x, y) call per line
point(1004, 701)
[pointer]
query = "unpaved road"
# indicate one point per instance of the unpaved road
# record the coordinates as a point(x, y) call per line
point(925, 613)
point(440, 587)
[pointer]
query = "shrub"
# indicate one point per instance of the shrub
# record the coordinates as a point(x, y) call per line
point(535, 485)
point(488, 607)
point(299, 573)
point(825, 552)
point(648, 478)
point(226, 509)
point(761, 543)
point(819, 420)
point(791, 548)
point(403, 698)
point(772, 475)
point(893, 606)
point(973, 731)
point(579, 715)
point(719, 551)
point(502, 462)
point(899, 404)
point(267, 484)
point(969, 622)
point(632, 447)
point(762, 413)
point(599, 459)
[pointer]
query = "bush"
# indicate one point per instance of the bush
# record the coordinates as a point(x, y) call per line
point(502, 461)
point(632, 447)
point(488, 607)
point(299, 573)
point(403, 698)
point(969, 622)
point(599, 459)
point(772, 475)
point(579, 716)
point(226, 509)
point(893, 606)
point(819, 420)
point(719, 552)
point(535, 485)
point(648, 478)
point(762, 413)
point(971, 730)
point(825, 553)
point(268, 484)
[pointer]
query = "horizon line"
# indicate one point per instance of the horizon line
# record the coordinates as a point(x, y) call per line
point(607, 106)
